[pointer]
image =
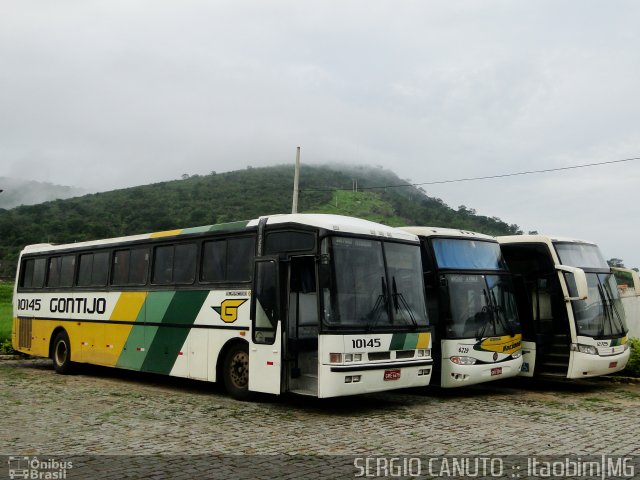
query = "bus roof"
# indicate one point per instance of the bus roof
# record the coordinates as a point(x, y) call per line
point(540, 239)
point(446, 232)
point(337, 223)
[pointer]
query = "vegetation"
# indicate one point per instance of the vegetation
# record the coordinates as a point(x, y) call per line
point(633, 367)
point(217, 198)
point(6, 292)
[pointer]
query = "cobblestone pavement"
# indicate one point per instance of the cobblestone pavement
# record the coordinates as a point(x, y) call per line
point(102, 411)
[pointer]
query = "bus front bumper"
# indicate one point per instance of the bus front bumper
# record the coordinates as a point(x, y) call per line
point(585, 365)
point(341, 380)
point(454, 375)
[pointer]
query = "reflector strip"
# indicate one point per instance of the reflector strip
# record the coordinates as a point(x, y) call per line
point(269, 363)
point(140, 349)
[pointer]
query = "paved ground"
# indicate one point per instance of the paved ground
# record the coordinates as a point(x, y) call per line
point(110, 412)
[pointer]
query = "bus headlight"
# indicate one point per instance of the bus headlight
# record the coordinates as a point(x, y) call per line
point(589, 349)
point(626, 347)
point(423, 353)
point(517, 354)
point(335, 358)
point(463, 360)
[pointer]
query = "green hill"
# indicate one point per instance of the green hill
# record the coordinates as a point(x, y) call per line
point(238, 195)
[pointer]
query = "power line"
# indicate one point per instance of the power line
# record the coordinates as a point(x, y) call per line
point(437, 182)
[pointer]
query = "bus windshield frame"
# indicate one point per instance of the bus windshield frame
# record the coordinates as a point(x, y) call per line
point(371, 284)
point(602, 314)
point(476, 288)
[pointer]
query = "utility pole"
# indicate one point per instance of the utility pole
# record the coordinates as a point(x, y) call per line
point(296, 183)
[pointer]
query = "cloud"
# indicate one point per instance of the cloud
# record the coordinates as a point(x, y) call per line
point(112, 93)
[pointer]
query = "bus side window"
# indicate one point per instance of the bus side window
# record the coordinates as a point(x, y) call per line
point(34, 270)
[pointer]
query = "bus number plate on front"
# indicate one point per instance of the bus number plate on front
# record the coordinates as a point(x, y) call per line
point(496, 371)
point(391, 374)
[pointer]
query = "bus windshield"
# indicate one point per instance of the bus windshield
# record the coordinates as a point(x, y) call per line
point(481, 306)
point(370, 284)
point(601, 314)
point(581, 255)
point(463, 254)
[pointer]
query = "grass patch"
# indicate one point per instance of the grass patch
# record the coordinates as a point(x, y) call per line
point(6, 317)
point(367, 205)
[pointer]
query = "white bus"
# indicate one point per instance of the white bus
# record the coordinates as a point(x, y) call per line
point(321, 305)
point(471, 303)
point(572, 318)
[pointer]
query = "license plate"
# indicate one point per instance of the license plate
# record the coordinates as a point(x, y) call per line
point(613, 364)
point(496, 371)
point(391, 374)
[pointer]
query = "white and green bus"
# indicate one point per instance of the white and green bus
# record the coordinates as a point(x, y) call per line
point(320, 305)
point(572, 317)
point(471, 304)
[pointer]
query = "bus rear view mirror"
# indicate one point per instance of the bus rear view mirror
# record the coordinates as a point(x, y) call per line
point(576, 282)
point(632, 274)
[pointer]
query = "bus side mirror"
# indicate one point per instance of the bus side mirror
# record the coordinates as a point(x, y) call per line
point(630, 273)
point(576, 282)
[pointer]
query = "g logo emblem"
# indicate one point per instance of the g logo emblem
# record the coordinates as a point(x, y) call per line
point(228, 309)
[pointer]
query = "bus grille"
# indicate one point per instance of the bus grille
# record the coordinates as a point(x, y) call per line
point(379, 356)
point(24, 332)
point(405, 354)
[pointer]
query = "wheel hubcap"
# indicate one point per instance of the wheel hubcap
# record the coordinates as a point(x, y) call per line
point(240, 370)
point(61, 353)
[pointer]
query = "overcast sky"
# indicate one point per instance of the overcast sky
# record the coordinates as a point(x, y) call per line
point(106, 94)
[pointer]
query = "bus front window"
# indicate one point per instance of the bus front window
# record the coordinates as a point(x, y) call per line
point(481, 306)
point(601, 314)
point(362, 291)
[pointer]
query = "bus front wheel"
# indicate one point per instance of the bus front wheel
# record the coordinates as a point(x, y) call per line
point(61, 353)
point(236, 371)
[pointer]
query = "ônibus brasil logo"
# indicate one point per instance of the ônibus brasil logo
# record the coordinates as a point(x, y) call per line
point(228, 309)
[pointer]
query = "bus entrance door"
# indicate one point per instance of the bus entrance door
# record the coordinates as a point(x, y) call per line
point(265, 352)
point(302, 332)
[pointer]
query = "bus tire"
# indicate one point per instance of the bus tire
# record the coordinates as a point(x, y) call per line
point(236, 371)
point(61, 354)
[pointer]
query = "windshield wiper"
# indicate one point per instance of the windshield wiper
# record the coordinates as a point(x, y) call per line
point(605, 309)
point(398, 299)
point(376, 311)
point(501, 319)
point(613, 310)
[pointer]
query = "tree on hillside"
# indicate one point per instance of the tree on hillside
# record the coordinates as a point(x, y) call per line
point(616, 262)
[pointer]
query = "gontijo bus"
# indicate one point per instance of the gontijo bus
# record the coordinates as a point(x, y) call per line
point(572, 317)
point(320, 305)
point(471, 303)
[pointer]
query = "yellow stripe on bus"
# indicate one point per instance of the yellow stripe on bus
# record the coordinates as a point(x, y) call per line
point(423, 340)
point(128, 306)
point(168, 233)
point(109, 339)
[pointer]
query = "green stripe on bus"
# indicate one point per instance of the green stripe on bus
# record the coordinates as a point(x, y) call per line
point(168, 341)
point(397, 341)
point(229, 226)
point(410, 341)
point(131, 357)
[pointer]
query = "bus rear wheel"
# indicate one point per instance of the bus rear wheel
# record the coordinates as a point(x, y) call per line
point(236, 372)
point(61, 354)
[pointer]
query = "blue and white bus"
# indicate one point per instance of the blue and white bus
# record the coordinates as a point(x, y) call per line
point(471, 303)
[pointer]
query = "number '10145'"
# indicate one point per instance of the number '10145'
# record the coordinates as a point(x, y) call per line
point(364, 342)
